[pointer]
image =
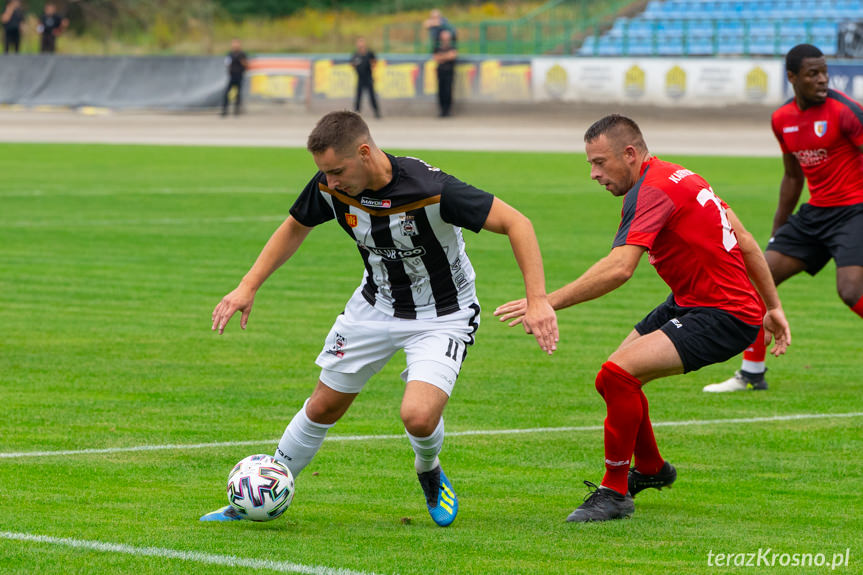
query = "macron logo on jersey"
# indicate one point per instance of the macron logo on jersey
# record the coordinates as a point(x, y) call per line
point(373, 203)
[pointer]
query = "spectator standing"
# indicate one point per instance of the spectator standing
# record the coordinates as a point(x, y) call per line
point(236, 63)
point(364, 62)
point(435, 24)
point(51, 25)
point(445, 55)
point(12, 17)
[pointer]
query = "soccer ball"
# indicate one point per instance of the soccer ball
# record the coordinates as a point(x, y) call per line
point(260, 488)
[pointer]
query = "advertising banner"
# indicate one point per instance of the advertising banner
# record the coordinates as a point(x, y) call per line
point(658, 81)
point(279, 78)
point(416, 79)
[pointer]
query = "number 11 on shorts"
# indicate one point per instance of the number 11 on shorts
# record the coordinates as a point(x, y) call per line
point(452, 350)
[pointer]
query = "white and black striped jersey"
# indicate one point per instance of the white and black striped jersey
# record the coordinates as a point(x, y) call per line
point(409, 236)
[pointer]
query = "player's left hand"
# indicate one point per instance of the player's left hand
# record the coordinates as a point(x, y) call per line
point(776, 328)
point(541, 321)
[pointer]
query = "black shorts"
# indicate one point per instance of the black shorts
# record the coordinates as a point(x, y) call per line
point(815, 235)
point(701, 335)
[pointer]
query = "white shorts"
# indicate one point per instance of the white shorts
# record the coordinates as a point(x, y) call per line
point(363, 339)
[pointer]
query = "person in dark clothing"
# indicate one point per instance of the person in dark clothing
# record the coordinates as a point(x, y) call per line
point(12, 17)
point(445, 55)
point(435, 24)
point(364, 62)
point(236, 64)
point(51, 25)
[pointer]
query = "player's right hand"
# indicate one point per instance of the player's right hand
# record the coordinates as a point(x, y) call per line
point(241, 299)
point(776, 328)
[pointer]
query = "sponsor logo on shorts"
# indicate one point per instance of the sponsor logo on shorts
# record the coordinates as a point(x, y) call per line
point(676, 323)
point(395, 254)
point(375, 203)
point(338, 346)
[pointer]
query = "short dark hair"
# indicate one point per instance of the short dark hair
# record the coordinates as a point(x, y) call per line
point(339, 131)
point(795, 56)
point(619, 128)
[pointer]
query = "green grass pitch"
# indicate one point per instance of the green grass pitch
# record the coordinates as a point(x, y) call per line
point(113, 257)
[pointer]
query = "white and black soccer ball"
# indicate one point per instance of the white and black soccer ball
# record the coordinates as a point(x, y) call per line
point(260, 488)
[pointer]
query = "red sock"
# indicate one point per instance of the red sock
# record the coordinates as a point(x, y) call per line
point(858, 307)
point(624, 414)
point(757, 351)
point(647, 457)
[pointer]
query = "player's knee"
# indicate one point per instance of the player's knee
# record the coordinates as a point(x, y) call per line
point(850, 293)
point(419, 422)
point(600, 383)
point(319, 411)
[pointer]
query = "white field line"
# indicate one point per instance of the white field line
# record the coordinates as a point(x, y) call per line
point(148, 222)
point(181, 446)
point(193, 556)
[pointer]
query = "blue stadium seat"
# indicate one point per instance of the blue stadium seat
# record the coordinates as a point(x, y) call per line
point(639, 47)
point(639, 29)
point(730, 27)
point(588, 47)
point(821, 27)
point(670, 29)
point(609, 47)
point(730, 45)
point(670, 46)
point(827, 43)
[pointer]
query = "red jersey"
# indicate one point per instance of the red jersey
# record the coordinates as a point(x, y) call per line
point(826, 141)
point(674, 213)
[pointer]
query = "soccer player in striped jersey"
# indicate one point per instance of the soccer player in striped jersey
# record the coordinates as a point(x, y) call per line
point(417, 293)
point(820, 132)
point(701, 250)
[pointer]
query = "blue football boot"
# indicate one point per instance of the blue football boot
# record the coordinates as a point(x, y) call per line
point(441, 500)
point(226, 513)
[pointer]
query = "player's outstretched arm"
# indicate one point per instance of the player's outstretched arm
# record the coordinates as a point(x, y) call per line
point(604, 276)
point(281, 246)
point(775, 325)
point(538, 316)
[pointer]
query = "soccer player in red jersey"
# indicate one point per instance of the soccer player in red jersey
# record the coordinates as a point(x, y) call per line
point(820, 132)
point(701, 250)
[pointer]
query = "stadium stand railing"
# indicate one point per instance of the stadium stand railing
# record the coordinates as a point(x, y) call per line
point(558, 26)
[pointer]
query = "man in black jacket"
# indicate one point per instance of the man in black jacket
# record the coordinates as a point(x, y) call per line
point(12, 17)
point(364, 62)
point(236, 64)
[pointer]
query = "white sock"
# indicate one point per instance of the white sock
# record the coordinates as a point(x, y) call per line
point(301, 441)
point(753, 366)
point(427, 448)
